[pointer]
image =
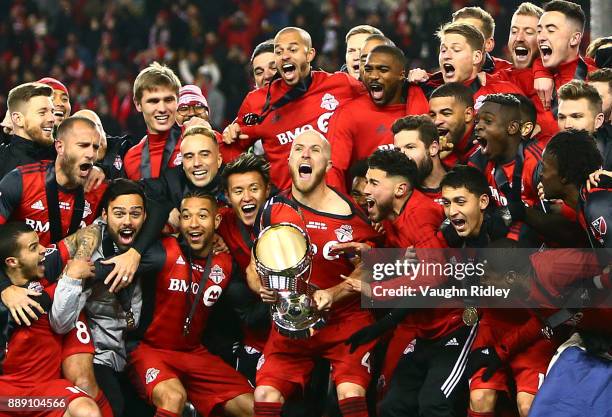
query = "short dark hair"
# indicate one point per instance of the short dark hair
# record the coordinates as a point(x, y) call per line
point(119, 187)
point(428, 132)
point(9, 233)
point(394, 51)
point(358, 169)
point(578, 89)
point(466, 176)
point(570, 10)
point(394, 163)
point(24, 92)
point(68, 124)
point(460, 92)
point(601, 76)
point(576, 154)
point(247, 162)
point(512, 104)
point(200, 194)
point(527, 108)
point(262, 48)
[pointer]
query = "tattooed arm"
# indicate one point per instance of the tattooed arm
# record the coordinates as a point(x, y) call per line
point(83, 243)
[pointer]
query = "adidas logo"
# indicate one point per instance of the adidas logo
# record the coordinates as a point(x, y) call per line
point(180, 260)
point(452, 342)
point(38, 205)
point(485, 351)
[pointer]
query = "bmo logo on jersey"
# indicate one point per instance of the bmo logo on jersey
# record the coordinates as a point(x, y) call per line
point(322, 125)
point(37, 225)
point(343, 234)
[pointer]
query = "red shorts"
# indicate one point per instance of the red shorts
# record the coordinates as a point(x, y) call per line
point(402, 342)
point(208, 380)
point(527, 367)
point(286, 363)
point(78, 340)
point(57, 393)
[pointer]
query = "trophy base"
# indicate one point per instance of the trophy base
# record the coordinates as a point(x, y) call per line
point(294, 316)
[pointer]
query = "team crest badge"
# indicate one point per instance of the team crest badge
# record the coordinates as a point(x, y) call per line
point(344, 233)
point(178, 160)
point(216, 274)
point(600, 226)
point(329, 102)
point(35, 286)
point(118, 162)
point(151, 374)
point(86, 209)
point(211, 295)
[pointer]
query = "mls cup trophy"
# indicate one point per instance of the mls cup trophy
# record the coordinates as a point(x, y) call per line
point(283, 259)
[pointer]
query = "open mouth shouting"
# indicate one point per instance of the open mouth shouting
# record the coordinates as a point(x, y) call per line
point(546, 52)
point(448, 70)
point(521, 53)
point(459, 224)
point(195, 237)
point(289, 72)
point(85, 168)
point(126, 236)
point(370, 204)
point(249, 212)
point(377, 92)
point(305, 171)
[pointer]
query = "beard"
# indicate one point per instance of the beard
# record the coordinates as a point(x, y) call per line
point(37, 135)
point(425, 168)
point(316, 177)
point(384, 208)
point(68, 165)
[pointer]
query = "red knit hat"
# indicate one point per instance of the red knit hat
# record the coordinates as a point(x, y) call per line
point(55, 84)
point(191, 94)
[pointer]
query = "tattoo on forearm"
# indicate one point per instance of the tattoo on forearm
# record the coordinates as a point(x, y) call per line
point(88, 240)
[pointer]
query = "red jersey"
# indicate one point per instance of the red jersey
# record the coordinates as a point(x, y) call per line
point(310, 111)
point(229, 152)
point(565, 72)
point(238, 237)
point(175, 290)
point(164, 149)
point(325, 230)
point(23, 196)
point(417, 225)
point(461, 151)
point(532, 157)
point(359, 127)
point(34, 353)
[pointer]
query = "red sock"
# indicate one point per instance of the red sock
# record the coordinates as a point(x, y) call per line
point(263, 409)
point(103, 404)
point(477, 414)
point(160, 412)
point(354, 407)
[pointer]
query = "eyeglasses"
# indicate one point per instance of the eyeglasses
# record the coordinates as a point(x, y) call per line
point(196, 109)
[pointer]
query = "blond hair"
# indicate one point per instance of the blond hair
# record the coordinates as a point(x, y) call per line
point(488, 24)
point(529, 9)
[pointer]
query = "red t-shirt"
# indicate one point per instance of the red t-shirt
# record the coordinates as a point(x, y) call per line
point(310, 111)
point(359, 127)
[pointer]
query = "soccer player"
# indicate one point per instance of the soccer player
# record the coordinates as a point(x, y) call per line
point(560, 31)
point(451, 106)
point(483, 21)
point(49, 196)
point(61, 99)
point(355, 40)
point(417, 138)
point(357, 173)
point(580, 108)
point(303, 99)
point(32, 366)
point(330, 217)
point(602, 81)
point(361, 126)
point(522, 39)
point(263, 64)
point(511, 165)
point(156, 90)
point(169, 364)
point(247, 187)
point(31, 112)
